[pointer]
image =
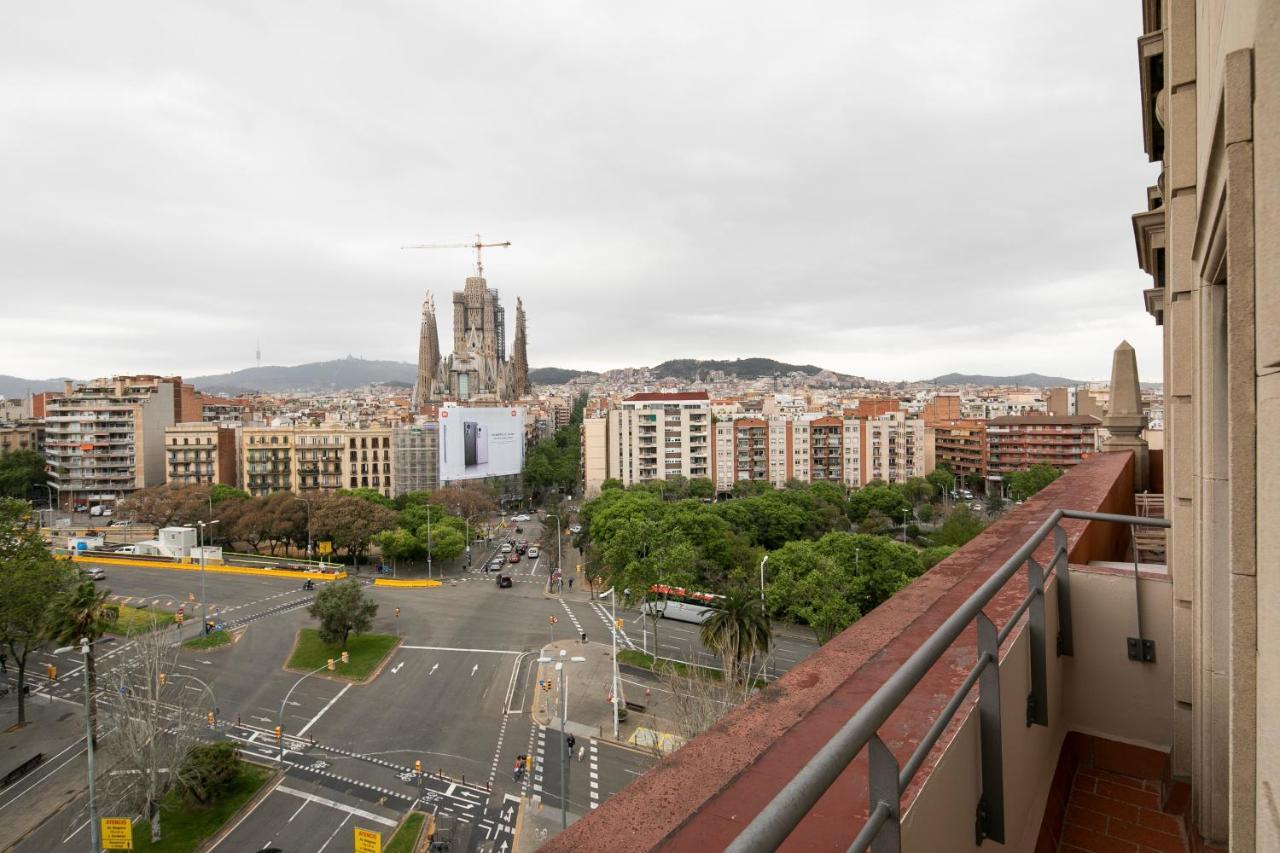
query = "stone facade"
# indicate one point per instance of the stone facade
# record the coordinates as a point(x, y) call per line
point(478, 369)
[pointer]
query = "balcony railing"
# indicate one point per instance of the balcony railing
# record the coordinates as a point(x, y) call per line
point(886, 781)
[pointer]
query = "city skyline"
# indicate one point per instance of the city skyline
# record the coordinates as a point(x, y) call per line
point(817, 195)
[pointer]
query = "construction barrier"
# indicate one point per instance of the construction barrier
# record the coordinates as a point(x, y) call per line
point(225, 570)
point(393, 582)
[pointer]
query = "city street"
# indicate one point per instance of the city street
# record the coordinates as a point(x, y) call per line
point(455, 695)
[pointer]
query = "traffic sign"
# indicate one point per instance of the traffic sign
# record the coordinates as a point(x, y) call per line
point(324, 547)
point(117, 833)
point(552, 619)
point(617, 623)
point(368, 841)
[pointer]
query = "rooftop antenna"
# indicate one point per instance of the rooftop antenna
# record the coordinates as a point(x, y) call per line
point(477, 245)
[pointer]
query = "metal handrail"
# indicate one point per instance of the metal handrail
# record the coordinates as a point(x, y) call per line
point(789, 806)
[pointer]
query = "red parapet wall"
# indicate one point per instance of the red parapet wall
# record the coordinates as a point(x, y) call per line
point(703, 795)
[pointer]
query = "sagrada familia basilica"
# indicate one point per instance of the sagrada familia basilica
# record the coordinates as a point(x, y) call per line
point(479, 369)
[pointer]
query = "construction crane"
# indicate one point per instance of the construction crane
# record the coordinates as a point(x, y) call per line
point(477, 245)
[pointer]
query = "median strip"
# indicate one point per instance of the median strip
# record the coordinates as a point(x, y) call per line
point(405, 583)
point(288, 574)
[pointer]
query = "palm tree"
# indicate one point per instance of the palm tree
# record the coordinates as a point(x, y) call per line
point(736, 630)
point(83, 611)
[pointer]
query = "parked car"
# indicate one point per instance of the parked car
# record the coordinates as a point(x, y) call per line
point(520, 518)
point(533, 552)
point(504, 581)
point(506, 548)
point(514, 558)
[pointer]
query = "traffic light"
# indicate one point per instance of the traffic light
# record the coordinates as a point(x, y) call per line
point(417, 767)
point(211, 718)
point(278, 732)
point(52, 672)
point(346, 657)
point(331, 665)
point(163, 678)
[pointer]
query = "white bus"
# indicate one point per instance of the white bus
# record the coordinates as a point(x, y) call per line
point(672, 602)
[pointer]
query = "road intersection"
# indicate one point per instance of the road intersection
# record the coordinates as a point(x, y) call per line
point(455, 695)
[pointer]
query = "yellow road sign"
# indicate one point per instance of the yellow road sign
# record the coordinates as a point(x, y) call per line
point(117, 833)
point(324, 547)
point(368, 841)
point(617, 623)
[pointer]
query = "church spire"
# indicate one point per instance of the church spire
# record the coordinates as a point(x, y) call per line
point(428, 355)
point(520, 356)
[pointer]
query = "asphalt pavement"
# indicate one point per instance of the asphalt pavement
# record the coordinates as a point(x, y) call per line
point(456, 695)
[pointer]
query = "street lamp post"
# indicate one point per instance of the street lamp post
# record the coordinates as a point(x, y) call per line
point(905, 513)
point(428, 541)
point(564, 723)
point(95, 842)
point(285, 701)
point(204, 602)
point(613, 606)
point(762, 562)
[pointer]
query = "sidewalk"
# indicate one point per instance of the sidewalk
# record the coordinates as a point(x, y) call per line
point(589, 684)
point(56, 729)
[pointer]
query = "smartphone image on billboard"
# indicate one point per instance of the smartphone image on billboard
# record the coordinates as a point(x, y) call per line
point(482, 445)
point(469, 430)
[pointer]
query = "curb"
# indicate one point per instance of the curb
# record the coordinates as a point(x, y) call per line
point(406, 583)
point(287, 574)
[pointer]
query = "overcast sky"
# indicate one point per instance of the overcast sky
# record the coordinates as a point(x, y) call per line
point(895, 190)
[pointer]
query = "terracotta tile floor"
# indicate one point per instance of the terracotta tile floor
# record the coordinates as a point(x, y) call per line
point(1111, 813)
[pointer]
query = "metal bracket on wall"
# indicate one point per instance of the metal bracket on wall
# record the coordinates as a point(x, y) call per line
point(1142, 650)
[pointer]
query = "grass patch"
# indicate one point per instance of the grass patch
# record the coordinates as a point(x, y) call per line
point(367, 651)
point(402, 841)
point(185, 827)
point(141, 620)
point(211, 640)
point(644, 661)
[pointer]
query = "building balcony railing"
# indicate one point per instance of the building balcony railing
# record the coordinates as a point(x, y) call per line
point(1031, 616)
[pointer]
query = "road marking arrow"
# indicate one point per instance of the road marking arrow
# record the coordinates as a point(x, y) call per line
point(474, 667)
point(395, 670)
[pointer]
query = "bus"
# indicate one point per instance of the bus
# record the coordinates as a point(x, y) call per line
point(673, 602)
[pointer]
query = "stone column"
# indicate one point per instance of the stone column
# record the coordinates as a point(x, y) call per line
point(1125, 420)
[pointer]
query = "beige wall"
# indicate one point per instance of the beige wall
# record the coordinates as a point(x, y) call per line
point(595, 449)
point(1098, 691)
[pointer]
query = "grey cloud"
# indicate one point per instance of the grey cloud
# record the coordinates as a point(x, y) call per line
point(892, 192)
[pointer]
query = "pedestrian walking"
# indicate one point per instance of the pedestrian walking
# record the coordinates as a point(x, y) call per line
point(584, 638)
point(4, 663)
point(581, 751)
point(570, 583)
point(571, 740)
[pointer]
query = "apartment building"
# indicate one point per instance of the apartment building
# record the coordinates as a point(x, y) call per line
point(654, 435)
point(1016, 442)
point(811, 448)
point(943, 407)
point(316, 459)
point(415, 458)
point(200, 454)
point(21, 436)
point(894, 448)
point(960, 444)
point(595, 451)
point(105, 438)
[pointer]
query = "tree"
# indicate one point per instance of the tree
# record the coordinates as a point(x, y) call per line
point(29, 579)
point(222, 492)
point(701, 488)
point(878, 497)
point(961, 526)
point(941, 478)
point(465, 499)
point(399, 544)
point(932, 556)
point(83, 611)
point(915, 490)
point(350, 522)
point(343, 609)
point(371, 495)
point(737, 629)
point(208, 772)
point(21, 471)
point(1024, 484)
point(167, 504)
point(156, 716)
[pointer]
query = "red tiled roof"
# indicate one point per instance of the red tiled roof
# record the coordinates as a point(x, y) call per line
point(648, 396)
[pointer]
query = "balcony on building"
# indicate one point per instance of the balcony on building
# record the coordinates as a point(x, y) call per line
point(1072, 726)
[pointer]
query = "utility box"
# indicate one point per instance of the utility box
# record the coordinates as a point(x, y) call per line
point(212, 554)
point(85, 543)
point(178, 541)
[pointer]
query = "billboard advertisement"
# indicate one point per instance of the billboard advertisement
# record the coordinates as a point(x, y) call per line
point(481, 442)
